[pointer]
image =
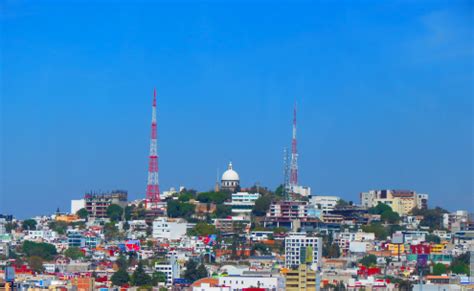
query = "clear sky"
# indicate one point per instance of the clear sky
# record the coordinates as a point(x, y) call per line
point(384, 92)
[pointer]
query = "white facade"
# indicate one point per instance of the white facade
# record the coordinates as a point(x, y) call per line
point(240, 282)
point(207, 287)
point(76, 205)
point(171, 270)
point(243, 202)
point(37, 235)
point(172, 229)
point(325, 203)
point(3, 222)
point(295, 243)
point(301, 190)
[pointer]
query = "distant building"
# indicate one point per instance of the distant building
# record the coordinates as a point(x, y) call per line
point(77, 205)
point(243, 202)
point(171, 270)
point(75, 239)
point(97, 204)
point(230, 180)
point(3, 223)
point(258, 281)
point(296, 247)
point(167, 228)
point(302, 278)
point(324, 203)
point(401, 201)
point(456, 221)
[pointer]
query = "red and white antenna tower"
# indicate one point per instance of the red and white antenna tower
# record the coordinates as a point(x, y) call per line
point(153, 186)
point(294, 155)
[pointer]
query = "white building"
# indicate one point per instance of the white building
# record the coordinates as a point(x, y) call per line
point(230, 180)
point(167, 228)
point(325, 203)
point(296, 243)
point(40, 235)
point(171, 270)
point(208, 287)
point(137, 229)
point(76, 205)
point(301, 190)
point(243, 202)
point(246, 281)
point(3, 229)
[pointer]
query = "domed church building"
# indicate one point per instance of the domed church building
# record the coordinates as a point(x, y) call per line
point(230, 180)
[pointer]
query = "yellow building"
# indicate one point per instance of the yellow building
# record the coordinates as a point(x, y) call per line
point(396, 249)
point(301, 279)
point(67, 218)
point(437, 249)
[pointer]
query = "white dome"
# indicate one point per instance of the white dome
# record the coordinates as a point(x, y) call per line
point(230, 174)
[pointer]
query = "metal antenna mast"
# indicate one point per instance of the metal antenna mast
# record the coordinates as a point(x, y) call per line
point(153, 186)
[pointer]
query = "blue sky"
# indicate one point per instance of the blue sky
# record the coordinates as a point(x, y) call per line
point(384, 92)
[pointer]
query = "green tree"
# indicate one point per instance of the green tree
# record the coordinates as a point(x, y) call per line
point(433, 238)
point(203, 229)
point(43, 250)
point(58, 226)
point(120, 277)
point(390, 216)
point(36, 264)
point(222, 211)
point(111, 231)
point(139, 277)
point(9, 226)
point(262, 204)
point(369, 260)
point(201, 272)
point(158, 277)
point(74, 253)
point(334, 251)
point(82, 213)
point(193, 272)
point(439, 269)
point(376, 228)
point(460, 264)
point(213, 197)
point(185, 196)
point(180, 209)
point(29, 224)
point(114, 212)
point(432, 218)
point(380, 208)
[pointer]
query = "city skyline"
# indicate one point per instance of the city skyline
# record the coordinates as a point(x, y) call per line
point(75, 110)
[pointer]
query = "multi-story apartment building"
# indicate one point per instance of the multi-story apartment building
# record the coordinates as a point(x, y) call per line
point(243, 202)
point(324, 203)
point(401, 201)
point(171, 270)
point(168, 228)
point(97, 204)
point(288, 210)
point(299, 279)
point(296, 247)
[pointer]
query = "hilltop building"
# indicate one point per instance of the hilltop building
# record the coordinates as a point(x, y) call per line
point(230, 180)
point(401, 201)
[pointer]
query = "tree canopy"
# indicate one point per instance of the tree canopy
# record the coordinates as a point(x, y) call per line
point(180, 209)
point(213, 197)
point(74, 253)
point(139, 277)
point(369, 260)
point(82, 213)
point(262, 204)
point(115, 212)
point(203, 229)
point(120, 277)
point(29, 224)
point(43, 250)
